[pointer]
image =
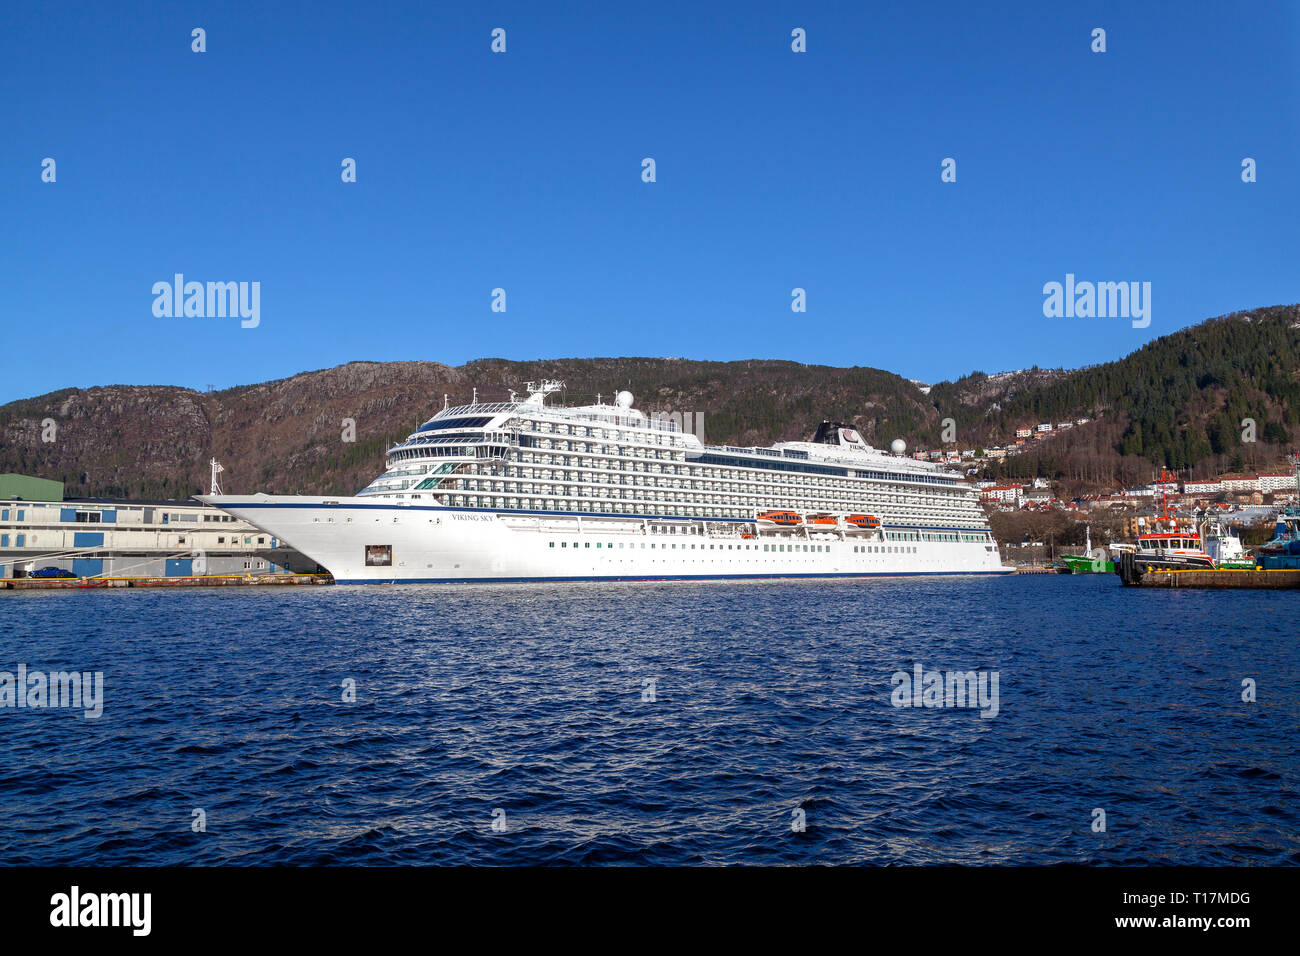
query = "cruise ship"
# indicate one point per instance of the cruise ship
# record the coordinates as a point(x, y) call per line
point(526, 491)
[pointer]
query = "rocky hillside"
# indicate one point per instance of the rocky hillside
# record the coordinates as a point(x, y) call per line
point(287, 436)
point(1176, 401)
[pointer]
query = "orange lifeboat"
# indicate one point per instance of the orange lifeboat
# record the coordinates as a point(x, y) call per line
point(783, 518)
point(865, 522)
point(823, 521)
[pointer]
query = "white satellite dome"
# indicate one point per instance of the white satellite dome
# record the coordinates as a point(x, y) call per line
point(898, 446)
point(623, 399)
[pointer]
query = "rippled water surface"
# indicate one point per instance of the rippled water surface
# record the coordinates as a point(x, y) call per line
point(767, 697)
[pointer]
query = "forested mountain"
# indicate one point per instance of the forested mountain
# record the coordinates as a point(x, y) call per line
point(1178, 401)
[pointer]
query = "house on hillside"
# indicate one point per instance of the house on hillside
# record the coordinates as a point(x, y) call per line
point(1238, 484)
point(1005, 494)
point(1276, 481)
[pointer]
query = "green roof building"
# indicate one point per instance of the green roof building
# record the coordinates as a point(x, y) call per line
point(27, 488)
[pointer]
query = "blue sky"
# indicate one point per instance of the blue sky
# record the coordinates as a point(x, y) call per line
point(522, 171)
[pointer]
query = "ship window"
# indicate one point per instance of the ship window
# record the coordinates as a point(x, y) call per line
point(475, 422)
point(552, 544)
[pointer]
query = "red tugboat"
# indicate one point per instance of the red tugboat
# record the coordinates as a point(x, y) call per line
point(1164, 547)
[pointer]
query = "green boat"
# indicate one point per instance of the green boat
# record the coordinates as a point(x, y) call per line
point(1090, 562)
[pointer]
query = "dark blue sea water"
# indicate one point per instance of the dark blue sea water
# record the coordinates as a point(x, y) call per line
point(768, 697)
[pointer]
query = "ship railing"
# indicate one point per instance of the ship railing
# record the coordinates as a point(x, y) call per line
point(480, 408)
point(639, 420)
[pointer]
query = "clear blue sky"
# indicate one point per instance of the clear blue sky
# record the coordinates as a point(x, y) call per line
point(523, 171)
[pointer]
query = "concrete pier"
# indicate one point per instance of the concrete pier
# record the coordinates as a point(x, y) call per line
point(204, 581)
point(1221, 578)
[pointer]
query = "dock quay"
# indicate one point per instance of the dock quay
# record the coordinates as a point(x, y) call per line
point(1219, 578)
point(193, 581)
point(1133, 576)
point(1037, 570)
point(42, 532)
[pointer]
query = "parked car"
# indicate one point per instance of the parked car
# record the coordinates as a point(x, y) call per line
point(52, 573)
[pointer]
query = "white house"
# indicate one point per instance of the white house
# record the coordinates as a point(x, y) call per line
point(1237, 483)
point(1004, 493)
point(1202, 487)
point(1276, 481)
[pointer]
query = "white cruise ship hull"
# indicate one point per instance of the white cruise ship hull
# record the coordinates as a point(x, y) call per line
point(361, 541)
